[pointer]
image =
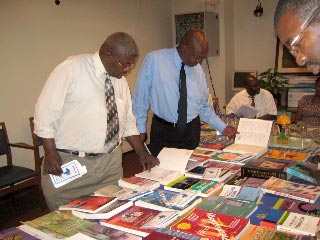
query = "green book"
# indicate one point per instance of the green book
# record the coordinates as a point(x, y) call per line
point(227, 206)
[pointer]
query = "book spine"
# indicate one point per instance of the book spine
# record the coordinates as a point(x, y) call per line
point(261, 173)
point(301, 175)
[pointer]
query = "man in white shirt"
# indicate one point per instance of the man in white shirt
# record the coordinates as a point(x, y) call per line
point(71, 119)
point(256, 98)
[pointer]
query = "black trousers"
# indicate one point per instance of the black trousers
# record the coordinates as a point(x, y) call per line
point(163, 135)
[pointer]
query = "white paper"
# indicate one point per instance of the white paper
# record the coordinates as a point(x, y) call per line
point(71, 171)
point(174, 159)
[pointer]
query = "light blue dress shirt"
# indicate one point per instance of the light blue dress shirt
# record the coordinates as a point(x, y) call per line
point(158, 87)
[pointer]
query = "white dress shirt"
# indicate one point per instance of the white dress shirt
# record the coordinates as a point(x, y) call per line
point(264, 103)
point(72, 106)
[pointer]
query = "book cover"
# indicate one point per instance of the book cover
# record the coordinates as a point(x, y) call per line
point(133, 194)
point(206, 188)
point(237, 158)
point(167, 234)
point(272, 218)
point(181, 184)
point(131, 220)
point(204, 152)
point(91, 204)
point(161, 220)
point(304, 171)
point(264, 168)
point(135, 182)
point(253, 182)
point(211, 146)
point(106, 213)
point(209, 173)
point(211, 225)
point(292, 205)
point(161, 199)
point(287, 155)
point(163, 176)
point(99, 231)
point(109, 191)
point(199, 158)
point(59, 224)
point(16, 234)
point(250, 194)
point(230, 191)
point(232, 167)
point(233, 207)
point(192, 164)
point(303, 192)
point(299, 224)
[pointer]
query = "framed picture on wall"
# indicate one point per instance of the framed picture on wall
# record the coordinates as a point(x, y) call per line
point(285, 62)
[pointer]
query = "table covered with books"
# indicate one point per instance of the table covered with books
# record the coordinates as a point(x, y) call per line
point(206, 193)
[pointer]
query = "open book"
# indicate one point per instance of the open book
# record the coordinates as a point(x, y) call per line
point(253, 137)
point(173, 163)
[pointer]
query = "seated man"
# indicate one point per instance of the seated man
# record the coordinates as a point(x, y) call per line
point(254, 101)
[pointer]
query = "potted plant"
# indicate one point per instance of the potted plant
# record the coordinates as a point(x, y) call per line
point(274, 82)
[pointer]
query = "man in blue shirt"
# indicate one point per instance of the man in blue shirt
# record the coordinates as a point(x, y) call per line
point(159, 86)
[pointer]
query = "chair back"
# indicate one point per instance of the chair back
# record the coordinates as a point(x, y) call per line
point(4, 143)
point(37, 144)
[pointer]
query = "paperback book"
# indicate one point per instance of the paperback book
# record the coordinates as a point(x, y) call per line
point(209, 173)
point(287, 155)
point(108, 212)
point(181, 183)
point(232, 167)
point(90, 204)
point(14, 233)
point(237, 158)
point(304, 171)
point(167, 234)
point(303, 192)
point(211, 225)
point(135, 182)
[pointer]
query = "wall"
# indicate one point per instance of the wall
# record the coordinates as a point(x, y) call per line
point(37, 35)
point(255, 40)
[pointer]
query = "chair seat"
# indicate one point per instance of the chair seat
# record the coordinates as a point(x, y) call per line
point(14, 174)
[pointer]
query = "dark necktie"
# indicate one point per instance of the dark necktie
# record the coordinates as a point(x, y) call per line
point(112, 138)
point(253, 104)
point(182, 105)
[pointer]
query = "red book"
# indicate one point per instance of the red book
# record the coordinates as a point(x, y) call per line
point(91, 204)
point(212, 225)
point(131, 220)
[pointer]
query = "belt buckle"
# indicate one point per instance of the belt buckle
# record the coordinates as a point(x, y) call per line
point(175, 124)
point(82, 154)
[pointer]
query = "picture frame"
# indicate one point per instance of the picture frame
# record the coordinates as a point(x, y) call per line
point(285, 62)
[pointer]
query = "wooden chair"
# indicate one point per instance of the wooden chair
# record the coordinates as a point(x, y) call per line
point(14, 178)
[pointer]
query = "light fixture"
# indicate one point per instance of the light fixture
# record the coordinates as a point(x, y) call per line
point(259, 10)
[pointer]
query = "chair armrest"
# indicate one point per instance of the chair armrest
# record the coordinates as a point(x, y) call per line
point(23, 145)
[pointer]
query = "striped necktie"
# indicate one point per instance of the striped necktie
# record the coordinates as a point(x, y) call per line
point(112, 135)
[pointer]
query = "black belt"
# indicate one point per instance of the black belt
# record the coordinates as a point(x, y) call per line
point(159, 119)
point(79, 153)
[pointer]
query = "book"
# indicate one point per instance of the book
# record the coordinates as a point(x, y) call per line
point(250, 194)
point(233, 207)
point(209, 173)
point(287, 155)
point(253, 182)
point(303, 192)
point(135, 182)
point(199, 158)
point(131, 220)
point(192, 164)
point(181, 183)
point(204, 152)
point(265, 168)
point(167, 234)
point(253, 137)
point(262, 233)
point(232, 167)
point(304, 171)
point(173, 163)
point(211, 146)
point(55, 225)
point(206, 188)
point(133, 194)
point(211, 225)
point(99, 231)
point(299, 224)
point(162, 200)
point(237, 158)
point(110, 190)
point(90, 204)
point(108, 212)
point(16, 233)
point(272, 218)
point(161, 220)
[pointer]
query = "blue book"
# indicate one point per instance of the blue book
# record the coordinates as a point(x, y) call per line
point(251, 194)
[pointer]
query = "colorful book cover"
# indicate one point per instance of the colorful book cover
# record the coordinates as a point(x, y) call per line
point(272, 218)
point(232, 167)
point(167, 234)
point(131, 220)
point(253, 182)
point(207, 187)
point(287, 155)
point(214, 146)
point(292, 205)
point(304, 171)
point(204, 152)
point(249, 194)
point(99, 231)
point(107, 212)
point(60, 224)
point(91, 204)
point(303, 192)
point(135, 182)
point(199, 158)
point(264, 168)
point(181, 184)
point(211, 225)
point(16, 234)
point(232, 157)
point(227, 206)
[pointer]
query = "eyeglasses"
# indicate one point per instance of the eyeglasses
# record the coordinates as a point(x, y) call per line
point(296, 39)
point(128, 65)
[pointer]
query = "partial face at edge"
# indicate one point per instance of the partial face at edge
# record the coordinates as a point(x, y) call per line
point(307, 49)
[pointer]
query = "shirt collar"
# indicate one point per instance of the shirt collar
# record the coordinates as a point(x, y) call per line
point(98, 65)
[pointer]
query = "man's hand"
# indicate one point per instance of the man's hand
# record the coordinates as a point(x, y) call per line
point(229, 131)
point(148, 161)
point(53, 162)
